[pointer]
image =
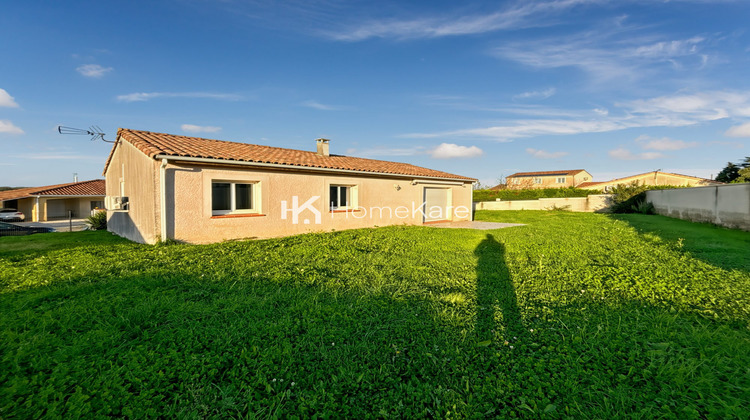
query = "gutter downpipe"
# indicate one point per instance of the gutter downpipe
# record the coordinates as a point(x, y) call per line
point(163, 199)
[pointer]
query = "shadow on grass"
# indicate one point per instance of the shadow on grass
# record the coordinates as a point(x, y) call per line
point(718, 246)
point(495, 292)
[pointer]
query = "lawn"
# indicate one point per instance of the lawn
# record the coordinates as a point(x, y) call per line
point(573, 315)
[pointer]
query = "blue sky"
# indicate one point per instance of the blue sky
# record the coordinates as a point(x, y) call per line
point(482, 89)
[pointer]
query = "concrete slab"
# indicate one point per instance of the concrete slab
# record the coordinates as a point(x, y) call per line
point(473, 225)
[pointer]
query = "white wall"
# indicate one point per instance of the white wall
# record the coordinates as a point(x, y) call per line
point(725, 205)
point(592, 203)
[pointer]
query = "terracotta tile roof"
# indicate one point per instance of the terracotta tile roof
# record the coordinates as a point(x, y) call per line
point(547, 173)
point(153, 144)
point(93, 187)
point(588, 184)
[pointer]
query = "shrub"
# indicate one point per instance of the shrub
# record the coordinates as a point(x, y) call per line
point(97, 221)
point(644, 207)
point(531, 194)
point(626, 196)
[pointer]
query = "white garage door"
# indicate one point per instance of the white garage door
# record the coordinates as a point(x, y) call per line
point(436, 204)
point(56, 208)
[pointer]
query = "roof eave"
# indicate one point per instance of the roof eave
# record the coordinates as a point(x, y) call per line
point(305, 168)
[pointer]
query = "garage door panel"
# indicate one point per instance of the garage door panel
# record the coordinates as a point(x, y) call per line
point(436, 204)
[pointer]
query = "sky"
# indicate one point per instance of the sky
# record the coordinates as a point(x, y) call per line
point(480, 89)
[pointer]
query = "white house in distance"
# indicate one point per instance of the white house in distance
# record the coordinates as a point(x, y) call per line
point(164, 186)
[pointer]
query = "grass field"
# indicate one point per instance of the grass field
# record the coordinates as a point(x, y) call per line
point(573, 315)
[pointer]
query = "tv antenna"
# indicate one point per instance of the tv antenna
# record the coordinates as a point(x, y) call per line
point(94, 131)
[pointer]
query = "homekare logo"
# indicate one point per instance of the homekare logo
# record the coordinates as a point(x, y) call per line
point(417, 210)
point(296, 210)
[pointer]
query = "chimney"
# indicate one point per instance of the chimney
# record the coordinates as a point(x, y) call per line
point(75, 176)
point(322, 147)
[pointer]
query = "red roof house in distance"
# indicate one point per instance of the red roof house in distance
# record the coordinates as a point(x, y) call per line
point(51, 202)
point(547, 179)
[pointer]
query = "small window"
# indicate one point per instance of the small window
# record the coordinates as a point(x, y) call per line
point(561, 180)
point(232, 197)
point(516, 181)
point(339, 197)
point(97, 205)
point(537, 180)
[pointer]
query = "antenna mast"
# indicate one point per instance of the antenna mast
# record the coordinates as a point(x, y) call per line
point(94, 131)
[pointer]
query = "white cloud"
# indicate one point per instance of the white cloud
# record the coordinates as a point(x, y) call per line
point(541, 94)
point(93, 70)
point(543, 154)
point(7, 127)
point(318, 105)
point(190, 128)
point(742, 130)
point(146, 96)
point(523, 14)
point(616, 53)
point(664, 143)
point(6, 100)
point(625, 154)
point(666, 111)
point(451, 151)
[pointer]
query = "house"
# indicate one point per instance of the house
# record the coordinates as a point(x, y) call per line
point(164, 186)
point(546, 179)
point(651, 178)
point(50, 202)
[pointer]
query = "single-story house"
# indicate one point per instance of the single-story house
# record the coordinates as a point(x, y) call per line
point(164, 186)
point(651, 178)
point(545, 179)
point(59, 201)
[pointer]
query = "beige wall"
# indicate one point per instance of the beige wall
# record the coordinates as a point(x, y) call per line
point(592, 203)
point(140, 175)
point(190, 216)
point(725, 205)
point(188, 197)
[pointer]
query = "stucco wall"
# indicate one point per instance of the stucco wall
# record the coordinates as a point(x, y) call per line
point(592, 203)
point(725, 205)
point(190, 217)
point(139, 172)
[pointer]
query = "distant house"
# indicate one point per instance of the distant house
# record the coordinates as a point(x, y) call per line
point(51, 202)
point(164, 186)
point(546, 179)
point(651, 178)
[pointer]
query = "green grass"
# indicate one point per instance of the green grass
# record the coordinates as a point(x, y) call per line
point(573, 315)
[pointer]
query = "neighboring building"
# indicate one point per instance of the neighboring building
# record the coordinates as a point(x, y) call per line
point(163, 186)
point(651, 178)
point(59, 201)
point(546, 179)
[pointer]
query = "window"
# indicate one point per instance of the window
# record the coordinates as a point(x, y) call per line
point(561, 180)
point(97, 205)
point(516, 181)
point(232, 197)
point(340, 197)
point(537, 180)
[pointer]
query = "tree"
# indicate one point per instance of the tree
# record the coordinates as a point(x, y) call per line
point(744, 174)
point(729, 173)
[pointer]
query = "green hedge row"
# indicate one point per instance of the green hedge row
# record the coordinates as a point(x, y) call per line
point(531, 194)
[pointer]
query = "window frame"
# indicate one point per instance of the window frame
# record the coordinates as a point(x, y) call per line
point(559, 178)
point(254, 197)
point(352, 193)
point(538, 180)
